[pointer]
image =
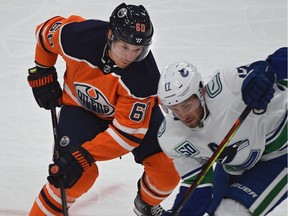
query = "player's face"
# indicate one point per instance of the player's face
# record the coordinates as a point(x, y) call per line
point(123, 54)
point(190, 111)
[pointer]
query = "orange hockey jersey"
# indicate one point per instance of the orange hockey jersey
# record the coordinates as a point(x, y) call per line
point(124, 96)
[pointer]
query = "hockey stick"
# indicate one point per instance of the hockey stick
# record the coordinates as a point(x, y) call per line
point(211, 161)
point(57, 156)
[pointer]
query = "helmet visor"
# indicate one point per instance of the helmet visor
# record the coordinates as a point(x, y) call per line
point(189, 112)
point(128, 52)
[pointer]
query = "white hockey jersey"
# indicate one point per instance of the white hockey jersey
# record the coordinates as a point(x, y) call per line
point(260, 137)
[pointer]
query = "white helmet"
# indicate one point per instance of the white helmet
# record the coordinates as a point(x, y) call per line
point(178, 82)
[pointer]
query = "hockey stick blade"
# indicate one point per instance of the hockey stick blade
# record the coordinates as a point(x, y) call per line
point(212, 159)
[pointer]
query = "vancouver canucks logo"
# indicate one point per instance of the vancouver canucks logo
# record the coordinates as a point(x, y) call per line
point(229, 152)
point(93, 99)
point(184, 72)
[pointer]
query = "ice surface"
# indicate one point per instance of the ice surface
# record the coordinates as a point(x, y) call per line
point(211, 34)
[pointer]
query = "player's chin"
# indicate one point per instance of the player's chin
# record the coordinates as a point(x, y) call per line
point(192, 123)
point(123, 64)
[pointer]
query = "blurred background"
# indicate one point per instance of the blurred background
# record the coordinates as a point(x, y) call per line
point(210, 34)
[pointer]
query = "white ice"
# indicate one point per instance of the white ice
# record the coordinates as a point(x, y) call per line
point(211, 34)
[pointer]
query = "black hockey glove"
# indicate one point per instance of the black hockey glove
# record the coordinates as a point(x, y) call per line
point(257, 88)
point(46, 89)
point(70, 166)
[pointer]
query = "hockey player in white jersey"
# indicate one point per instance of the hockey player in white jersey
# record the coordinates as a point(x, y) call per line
point(250, 177)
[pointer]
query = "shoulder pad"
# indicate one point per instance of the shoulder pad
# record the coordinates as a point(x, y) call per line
point(84, 40)
point(142, 77)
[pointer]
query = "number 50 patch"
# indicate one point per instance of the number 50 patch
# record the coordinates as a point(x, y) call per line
point(186, 148)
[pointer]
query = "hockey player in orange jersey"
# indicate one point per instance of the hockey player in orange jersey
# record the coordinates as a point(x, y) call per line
point(108, 105)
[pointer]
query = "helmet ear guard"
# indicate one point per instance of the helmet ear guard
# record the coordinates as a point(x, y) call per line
point(132, 24)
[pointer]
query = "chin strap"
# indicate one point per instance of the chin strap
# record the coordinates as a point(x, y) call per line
point(205, 111)
point(107, 62)
point(200, 95)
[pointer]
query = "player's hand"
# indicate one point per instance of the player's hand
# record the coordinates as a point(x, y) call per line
point(70, 167)
point(257, 88)
point(46, 89)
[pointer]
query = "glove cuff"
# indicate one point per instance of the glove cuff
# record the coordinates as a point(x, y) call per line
point(39, 77)
point(41, 70)
point(83, 157)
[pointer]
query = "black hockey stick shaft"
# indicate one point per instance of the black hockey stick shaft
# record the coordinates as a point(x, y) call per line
point(211, 161)
point(57, 156)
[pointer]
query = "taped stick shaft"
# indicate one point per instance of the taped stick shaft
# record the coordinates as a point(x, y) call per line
point(57, 156)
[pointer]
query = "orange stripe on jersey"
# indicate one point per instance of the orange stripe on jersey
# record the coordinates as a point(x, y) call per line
point(55, 200)
point(121, 140)
point(129, 130)
point(157, 184)
point(47, 204)
point(47, 48)
point(104, 147)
